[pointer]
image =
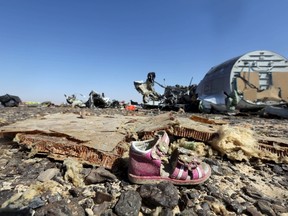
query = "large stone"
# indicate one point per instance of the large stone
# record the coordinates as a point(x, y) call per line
point(129, 204)
point(164, 194)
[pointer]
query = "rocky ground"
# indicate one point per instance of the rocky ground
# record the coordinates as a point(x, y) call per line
point(36, 185)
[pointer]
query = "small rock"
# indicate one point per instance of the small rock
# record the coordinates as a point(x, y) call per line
point(87, 203)
point(212, 189)
point(217, 195)
point(164, 194)
point(36, 203)
point(265, 208)
point(128, 204)
point(101, 197)
point(48, 174)
point(211, 161)
point(217, 170)
point(252, 192)
point(100, 208)
point(61, 208)
point(229, 171)
point(89, 212)
point(60, 180)
point(85, 171)
point(185, 202)
point(251, 210)
point(201, 212)
point(166, 212)
point(75, 192)
point(145, 210)
point(231, 205)
point(277, 169)
point(209, 198)
point(194, 194)
point(124, 183)
point(234, 195)
point(247, 198)
point(205, 206)
point(285, 167)
point(279, 209)
point(229, 179)
point(99, 175)
point(55, 198)
point(236, 207)
point(284, 183)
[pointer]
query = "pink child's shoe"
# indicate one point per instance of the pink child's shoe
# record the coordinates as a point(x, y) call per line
point(150, 163)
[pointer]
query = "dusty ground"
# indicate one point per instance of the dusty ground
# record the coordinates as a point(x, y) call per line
point(254, 187)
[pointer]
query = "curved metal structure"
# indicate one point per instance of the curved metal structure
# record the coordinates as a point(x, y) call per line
point(251, 81)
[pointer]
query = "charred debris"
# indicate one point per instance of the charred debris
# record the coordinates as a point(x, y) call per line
point(255, 82)
point(95, 100)
point(8, 100)
point(174, 97)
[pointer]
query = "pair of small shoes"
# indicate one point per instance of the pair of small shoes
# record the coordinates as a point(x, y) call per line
point(150, 162)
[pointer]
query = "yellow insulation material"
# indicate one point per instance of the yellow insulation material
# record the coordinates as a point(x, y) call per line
point(237, 143)
point(73, 172)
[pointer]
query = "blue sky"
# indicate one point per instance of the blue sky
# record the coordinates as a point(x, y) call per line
point(49, 48)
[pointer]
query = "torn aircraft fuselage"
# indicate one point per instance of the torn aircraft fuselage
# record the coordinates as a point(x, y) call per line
point(247, 82)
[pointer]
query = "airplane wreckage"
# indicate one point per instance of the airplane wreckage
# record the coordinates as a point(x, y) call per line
point(174, 97)
point(95, 100)
point(250, 82)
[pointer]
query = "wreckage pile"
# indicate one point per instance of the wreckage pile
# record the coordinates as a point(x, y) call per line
point(70, 161)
